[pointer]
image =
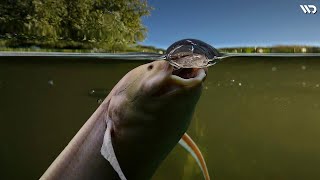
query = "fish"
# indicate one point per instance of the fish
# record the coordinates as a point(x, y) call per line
point(144, 116)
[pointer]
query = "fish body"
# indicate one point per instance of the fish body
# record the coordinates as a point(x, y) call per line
point(137, 125)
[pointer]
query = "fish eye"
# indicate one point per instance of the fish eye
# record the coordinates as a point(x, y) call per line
point(150, 67)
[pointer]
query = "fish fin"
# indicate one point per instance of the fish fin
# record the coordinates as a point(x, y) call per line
point(188, 144)
point(107, 151)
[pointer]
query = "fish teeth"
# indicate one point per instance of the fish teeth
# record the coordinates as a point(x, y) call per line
point(201, 74)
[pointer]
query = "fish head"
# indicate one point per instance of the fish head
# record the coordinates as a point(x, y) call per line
point(158, 83)
point(159, 91)
point(159, 80)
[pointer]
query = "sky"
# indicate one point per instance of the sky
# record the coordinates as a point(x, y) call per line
point(230, 23)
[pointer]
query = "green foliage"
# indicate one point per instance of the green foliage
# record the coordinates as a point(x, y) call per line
point(13, 14)
point(109, 24)
point(249, 50)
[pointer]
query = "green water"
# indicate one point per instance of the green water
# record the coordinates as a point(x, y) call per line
point(258, 118)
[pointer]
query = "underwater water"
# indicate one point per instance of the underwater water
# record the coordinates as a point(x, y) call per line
point(257, 118)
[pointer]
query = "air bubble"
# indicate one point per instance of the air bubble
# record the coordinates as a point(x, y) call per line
point(192, 53)
point(50, 82)
point(99, 101)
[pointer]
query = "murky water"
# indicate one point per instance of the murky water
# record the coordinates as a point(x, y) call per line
point(258, 118)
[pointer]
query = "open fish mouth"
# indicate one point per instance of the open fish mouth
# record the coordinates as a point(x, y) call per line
point(188, 77)
point(179, 80)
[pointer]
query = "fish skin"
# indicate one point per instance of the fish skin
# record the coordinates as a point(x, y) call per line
point(147, 124)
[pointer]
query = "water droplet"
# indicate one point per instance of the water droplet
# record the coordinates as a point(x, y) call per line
point(50, 82)
point(303, 68)
point(192, 53)
point(274, 69)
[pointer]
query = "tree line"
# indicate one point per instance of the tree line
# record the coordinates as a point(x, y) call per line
point(80, 24)
point(273, 49)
